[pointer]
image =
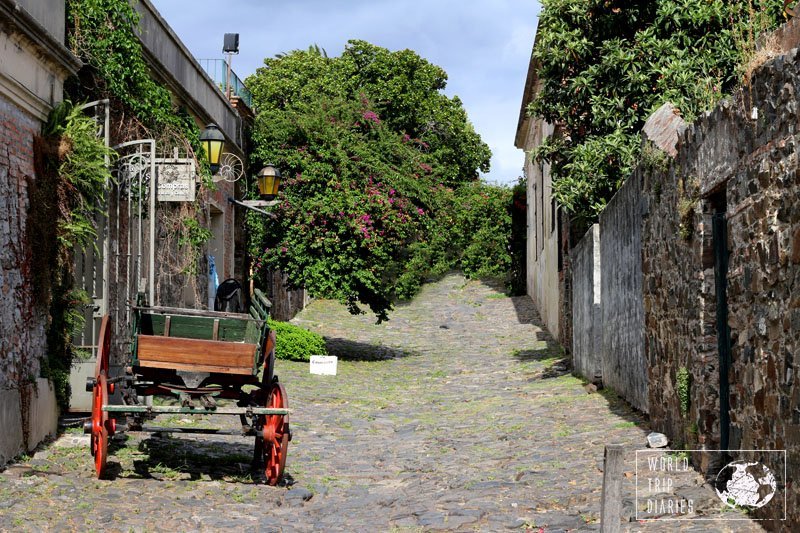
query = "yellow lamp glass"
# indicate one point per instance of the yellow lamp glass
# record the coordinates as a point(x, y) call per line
point(269, 181)
point(212, 140)
point(213, 149)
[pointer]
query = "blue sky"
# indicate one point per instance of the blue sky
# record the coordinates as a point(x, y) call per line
point(484, 45)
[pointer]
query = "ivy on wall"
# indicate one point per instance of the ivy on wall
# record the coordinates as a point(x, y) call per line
point(69, 191)
point(606, 65)
point(103, 34)
point(71, 164)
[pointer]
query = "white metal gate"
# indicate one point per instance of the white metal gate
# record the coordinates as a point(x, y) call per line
point(121, 265)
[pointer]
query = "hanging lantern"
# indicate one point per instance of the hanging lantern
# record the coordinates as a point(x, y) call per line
point(212, 140)
point(269, 181)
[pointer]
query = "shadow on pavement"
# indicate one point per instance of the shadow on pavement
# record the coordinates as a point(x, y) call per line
point(168, 458)
point(562, 366)
point(349, 350)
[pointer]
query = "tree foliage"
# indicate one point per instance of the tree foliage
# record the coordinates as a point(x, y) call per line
point(102, 33)
point(606, 65)
point(375, 159)
point(404, 89)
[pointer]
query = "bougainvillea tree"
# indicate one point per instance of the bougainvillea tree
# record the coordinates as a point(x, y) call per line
point(381, 167)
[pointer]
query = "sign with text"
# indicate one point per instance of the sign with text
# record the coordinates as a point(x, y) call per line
point(176, 180)
point(324, 365)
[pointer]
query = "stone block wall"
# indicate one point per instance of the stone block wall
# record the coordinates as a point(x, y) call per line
point(623, 358)
point(740, 159)
point(587, 318)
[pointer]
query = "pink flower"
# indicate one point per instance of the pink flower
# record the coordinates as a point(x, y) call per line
point(420, 211)
point(371, 116)
point(284, 249)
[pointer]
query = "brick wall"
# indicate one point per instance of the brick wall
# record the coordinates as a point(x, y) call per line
point(22, 320)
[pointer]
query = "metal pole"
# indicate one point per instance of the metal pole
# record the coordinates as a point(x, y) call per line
point(106, 229)
point(139, 143)
point(140, 244)
point(228, 78)
point(151, 296)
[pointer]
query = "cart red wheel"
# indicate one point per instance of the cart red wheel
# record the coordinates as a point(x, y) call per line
point(274, 443)
point(100, 425)
point(103, 347)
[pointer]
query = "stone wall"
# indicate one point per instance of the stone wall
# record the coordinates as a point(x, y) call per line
point(741, 160)
point(623, 358)
point(285, 303)
point(587, 318)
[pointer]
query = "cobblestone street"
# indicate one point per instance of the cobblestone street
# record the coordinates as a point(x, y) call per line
point(456, 414)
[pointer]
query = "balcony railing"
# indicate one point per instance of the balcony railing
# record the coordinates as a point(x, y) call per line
point(217, 69)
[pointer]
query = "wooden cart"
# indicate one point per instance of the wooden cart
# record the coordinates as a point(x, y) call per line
point(197, 357)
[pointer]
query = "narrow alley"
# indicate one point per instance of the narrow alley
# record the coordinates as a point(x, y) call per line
point(457, 414)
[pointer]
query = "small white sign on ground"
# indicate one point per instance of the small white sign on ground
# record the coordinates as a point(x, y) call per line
point(324, 365)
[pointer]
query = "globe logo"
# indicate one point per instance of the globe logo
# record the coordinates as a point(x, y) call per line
point(744, 484)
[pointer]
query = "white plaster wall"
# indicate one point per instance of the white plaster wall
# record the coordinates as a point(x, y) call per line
point(26, 78)
point(42, 420)
point(43, 413)
point(542, 252)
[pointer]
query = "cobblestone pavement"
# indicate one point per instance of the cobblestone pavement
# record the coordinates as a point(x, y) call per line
point(455, 415)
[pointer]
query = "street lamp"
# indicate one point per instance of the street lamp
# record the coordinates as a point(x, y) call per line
point(269, 180)
point(212, 140)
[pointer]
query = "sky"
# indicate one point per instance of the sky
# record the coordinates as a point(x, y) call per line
point(483, 45)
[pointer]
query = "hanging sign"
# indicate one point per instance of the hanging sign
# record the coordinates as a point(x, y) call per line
point(176, 180)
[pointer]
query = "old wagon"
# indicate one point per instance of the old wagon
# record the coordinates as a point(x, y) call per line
point(197, 358)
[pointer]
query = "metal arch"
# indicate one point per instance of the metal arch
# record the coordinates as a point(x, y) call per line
point(152, 211)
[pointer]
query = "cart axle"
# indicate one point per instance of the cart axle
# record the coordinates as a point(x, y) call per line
point(168, 409)
point(203, 431)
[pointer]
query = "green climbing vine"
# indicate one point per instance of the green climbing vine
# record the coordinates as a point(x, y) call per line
point(103, 34)
point(193, 238)
point(72, 163)
point(683, 382)
point(68, 194)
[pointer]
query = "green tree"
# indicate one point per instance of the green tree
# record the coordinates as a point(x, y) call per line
point(404, 89)
point(376, 158)
point(606, 65)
